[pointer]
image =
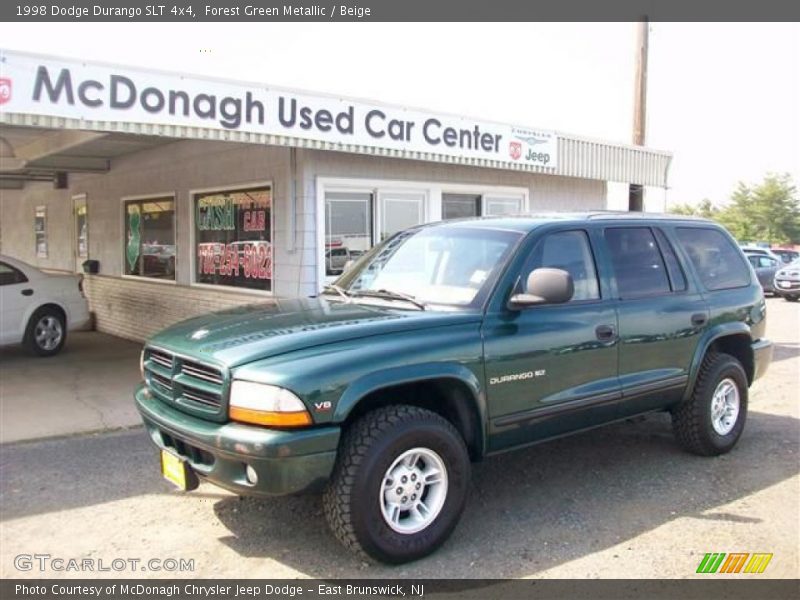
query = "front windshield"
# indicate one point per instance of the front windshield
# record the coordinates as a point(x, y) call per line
point(434, 265)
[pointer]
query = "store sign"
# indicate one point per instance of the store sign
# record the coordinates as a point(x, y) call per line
point(54, 87)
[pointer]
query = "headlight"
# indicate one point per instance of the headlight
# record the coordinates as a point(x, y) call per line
point(264, 404)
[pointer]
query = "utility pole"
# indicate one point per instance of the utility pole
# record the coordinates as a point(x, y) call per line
point(636, 192)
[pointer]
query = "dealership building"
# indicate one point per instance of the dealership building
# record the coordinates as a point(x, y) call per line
point(189, 194)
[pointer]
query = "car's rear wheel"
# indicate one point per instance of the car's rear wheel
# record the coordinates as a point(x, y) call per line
point(46, 332)
point(712, 419)
point(399, 485)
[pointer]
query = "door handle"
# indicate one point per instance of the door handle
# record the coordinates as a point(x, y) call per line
point(605, 332)
point(27, 292)
point(699, 319)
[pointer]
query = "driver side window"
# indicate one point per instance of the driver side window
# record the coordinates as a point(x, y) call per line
point(571, 252)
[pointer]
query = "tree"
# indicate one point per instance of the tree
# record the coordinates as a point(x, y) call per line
point(768, 212)
point(705, 209)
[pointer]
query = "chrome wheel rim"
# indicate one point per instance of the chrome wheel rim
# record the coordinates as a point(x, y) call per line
point(48, 333)
point(725, 406)
point(413, 491)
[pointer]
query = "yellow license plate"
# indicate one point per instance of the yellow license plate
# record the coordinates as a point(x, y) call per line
point(173, 469)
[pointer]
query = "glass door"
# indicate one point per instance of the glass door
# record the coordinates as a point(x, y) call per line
point(348, 229)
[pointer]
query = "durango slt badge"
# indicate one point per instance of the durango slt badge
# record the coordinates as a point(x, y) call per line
point(517, 377)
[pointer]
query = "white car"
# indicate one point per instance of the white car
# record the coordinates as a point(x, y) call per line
point(37, 309)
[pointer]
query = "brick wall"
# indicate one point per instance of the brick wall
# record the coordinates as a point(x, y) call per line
point(135, 309)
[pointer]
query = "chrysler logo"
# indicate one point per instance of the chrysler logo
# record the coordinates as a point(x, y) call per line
point(5, 90)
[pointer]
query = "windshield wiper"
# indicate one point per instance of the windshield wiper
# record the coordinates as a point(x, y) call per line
point(391, 295)
point(339, 290)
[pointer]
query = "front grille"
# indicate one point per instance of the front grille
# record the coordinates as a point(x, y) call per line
point(201, 397)
point(161, 358)
point(194, 369)
point(162, 382)
point(190, 385)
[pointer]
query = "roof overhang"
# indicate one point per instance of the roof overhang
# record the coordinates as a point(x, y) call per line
point(84, 106)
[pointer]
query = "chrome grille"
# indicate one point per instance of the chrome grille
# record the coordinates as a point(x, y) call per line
point(190, 385)
point(161, 381)
point(194, 369)
point(201, 397)
point(161, 358)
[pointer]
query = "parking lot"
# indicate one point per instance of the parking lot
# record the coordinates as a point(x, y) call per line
point(622, 501)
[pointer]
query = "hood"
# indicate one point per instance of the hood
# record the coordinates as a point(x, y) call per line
point(243, 334)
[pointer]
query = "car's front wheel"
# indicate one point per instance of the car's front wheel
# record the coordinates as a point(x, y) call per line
point(792, 298)
point(46, 332)
point(399, 485)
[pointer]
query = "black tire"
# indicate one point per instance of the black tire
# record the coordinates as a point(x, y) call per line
point(692, 420)
point(34, 342)
point(791, 298)
point(353, 502)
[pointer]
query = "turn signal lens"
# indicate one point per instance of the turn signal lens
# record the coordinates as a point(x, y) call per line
point(270, 419)
point(268, 405)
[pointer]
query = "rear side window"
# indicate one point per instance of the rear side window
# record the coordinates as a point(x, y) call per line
point(638, 266)
point(674, 269)
point(9, 275)
point(715, 258)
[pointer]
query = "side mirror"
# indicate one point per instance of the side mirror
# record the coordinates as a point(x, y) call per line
point(545, 286)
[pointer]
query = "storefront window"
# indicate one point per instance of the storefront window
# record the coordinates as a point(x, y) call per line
point(460, 206)
point(401, 211)
point(81, 229)
point(502, 205)
point(150, 238)
point(348, 228)
point(233, 238)
point(40, 231)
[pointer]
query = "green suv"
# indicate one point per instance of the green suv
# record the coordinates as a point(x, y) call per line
point(448, 343)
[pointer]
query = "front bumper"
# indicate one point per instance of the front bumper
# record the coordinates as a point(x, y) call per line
point(779, 287)
point(762, 357)
point(286, 462)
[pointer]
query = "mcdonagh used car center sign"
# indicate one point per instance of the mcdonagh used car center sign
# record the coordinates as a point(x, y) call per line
point(77, 90)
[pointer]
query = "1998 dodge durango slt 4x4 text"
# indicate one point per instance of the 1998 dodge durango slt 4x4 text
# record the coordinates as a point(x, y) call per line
point(450, 342)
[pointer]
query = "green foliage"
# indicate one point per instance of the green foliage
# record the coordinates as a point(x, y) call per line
point(767, 212)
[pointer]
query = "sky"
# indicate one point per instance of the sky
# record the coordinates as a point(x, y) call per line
point(723, 98)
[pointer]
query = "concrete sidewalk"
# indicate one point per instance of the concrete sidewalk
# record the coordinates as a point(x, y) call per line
point(87, 387)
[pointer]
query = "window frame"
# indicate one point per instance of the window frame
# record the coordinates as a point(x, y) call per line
point(124, 201)
point(650, 228)
point(529, 256)
point(40, 212)
point(20, 274)
point(687, 259)
point(234, 187)
point(678, 259)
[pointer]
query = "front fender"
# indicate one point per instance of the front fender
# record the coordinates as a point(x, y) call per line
point(373, 382)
